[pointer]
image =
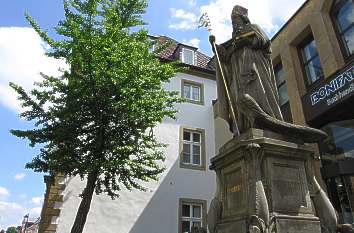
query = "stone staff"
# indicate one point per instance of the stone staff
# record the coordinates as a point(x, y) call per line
point(204, 21)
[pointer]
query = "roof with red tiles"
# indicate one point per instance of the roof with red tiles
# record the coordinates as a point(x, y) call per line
point(171, 51)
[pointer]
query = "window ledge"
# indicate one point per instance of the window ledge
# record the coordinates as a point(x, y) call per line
point(192, 167)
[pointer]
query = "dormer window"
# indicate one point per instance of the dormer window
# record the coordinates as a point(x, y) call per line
point(153, 45)
point(187, 56)
point(152, 48)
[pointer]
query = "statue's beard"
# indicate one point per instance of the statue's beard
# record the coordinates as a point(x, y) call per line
point(238, 25)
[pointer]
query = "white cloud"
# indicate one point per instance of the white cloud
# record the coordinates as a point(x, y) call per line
point(267, 13)
point(186, 20)
point(181, 14)
point(22, 196)
point(37, 200)
point(11, 214)
point(193, 42)
point(22, 57)
point(192, 2)
point(35, 212)
point(19, 176)
point(4, 193)
point(10, 206)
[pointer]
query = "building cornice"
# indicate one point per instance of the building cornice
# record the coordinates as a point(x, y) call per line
point(291, 18)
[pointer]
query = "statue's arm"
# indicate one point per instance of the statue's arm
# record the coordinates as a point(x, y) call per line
point(255, 39)
point(260, 40)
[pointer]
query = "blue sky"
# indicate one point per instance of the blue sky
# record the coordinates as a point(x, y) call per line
point(22, 57)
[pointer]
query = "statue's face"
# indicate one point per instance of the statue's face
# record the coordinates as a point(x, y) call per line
point(237, 23)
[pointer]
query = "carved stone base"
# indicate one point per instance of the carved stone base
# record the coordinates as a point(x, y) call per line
point(265, 184)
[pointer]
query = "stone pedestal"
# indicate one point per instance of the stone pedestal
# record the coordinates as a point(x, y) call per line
point(265, 184)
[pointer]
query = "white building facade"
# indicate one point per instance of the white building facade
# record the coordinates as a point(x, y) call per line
point(181, 197)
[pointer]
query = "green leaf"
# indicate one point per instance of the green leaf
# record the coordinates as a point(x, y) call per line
point(96, 116)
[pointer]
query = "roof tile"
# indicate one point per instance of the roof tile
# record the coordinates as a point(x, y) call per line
point(169, 53)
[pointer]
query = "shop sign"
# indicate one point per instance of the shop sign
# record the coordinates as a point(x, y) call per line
point(337, 89)
point(328, 93)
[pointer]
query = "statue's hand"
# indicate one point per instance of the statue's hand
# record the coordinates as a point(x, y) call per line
point(217, 49)
point(212, 42)
point(243, 42)
point(212, 39)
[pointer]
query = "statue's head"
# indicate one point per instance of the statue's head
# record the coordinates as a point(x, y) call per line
point(239, 18)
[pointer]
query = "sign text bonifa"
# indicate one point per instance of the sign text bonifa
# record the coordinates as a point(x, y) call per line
point(337, 89)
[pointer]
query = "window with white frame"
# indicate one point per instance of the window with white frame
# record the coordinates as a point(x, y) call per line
point(188, 56)
point(152, 48)
point(192, 148)
point(192, 91)
point(192, 214)
point(153, 44)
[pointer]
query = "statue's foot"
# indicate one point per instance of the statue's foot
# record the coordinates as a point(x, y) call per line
point(345, 228)
point(256, 114)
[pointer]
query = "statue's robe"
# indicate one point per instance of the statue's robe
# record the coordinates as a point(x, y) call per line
point(248, 70)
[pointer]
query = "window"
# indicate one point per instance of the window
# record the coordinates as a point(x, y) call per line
point(339, 143)
point(311, 61)
point(188, 56)
point(281, 84)
point(153, 44)
point(152, 48)
point(192, 149)
point(192, 91)
point(192, 213)
point(343, 15)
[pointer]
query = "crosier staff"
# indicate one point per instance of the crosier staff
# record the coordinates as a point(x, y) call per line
point(204, 21)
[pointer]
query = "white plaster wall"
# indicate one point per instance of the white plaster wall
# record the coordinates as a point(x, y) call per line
point(155, 211)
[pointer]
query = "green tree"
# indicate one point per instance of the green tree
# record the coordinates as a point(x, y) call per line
point(96, 119)
point(11, 230)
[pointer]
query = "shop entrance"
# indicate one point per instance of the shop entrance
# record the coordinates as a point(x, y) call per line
point(337, 153)
point(340, 191)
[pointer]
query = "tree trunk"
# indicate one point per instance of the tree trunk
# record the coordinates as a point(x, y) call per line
point(85, 204)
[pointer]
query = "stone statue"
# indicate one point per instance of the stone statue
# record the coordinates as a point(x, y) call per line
point(255, 173)
point(248, 70)
point(198, 230)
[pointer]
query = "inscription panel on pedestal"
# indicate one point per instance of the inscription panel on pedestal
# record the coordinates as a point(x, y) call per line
point(289, 187)
point(234, 190)
point(297, 226)
point(234, 226)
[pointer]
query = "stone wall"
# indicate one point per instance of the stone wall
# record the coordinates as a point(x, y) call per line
point(312, 18)
point(53, 199)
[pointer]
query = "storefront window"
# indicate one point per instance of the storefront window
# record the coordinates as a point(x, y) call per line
point(343, 12)
point(336, 150)
point(340, 143)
